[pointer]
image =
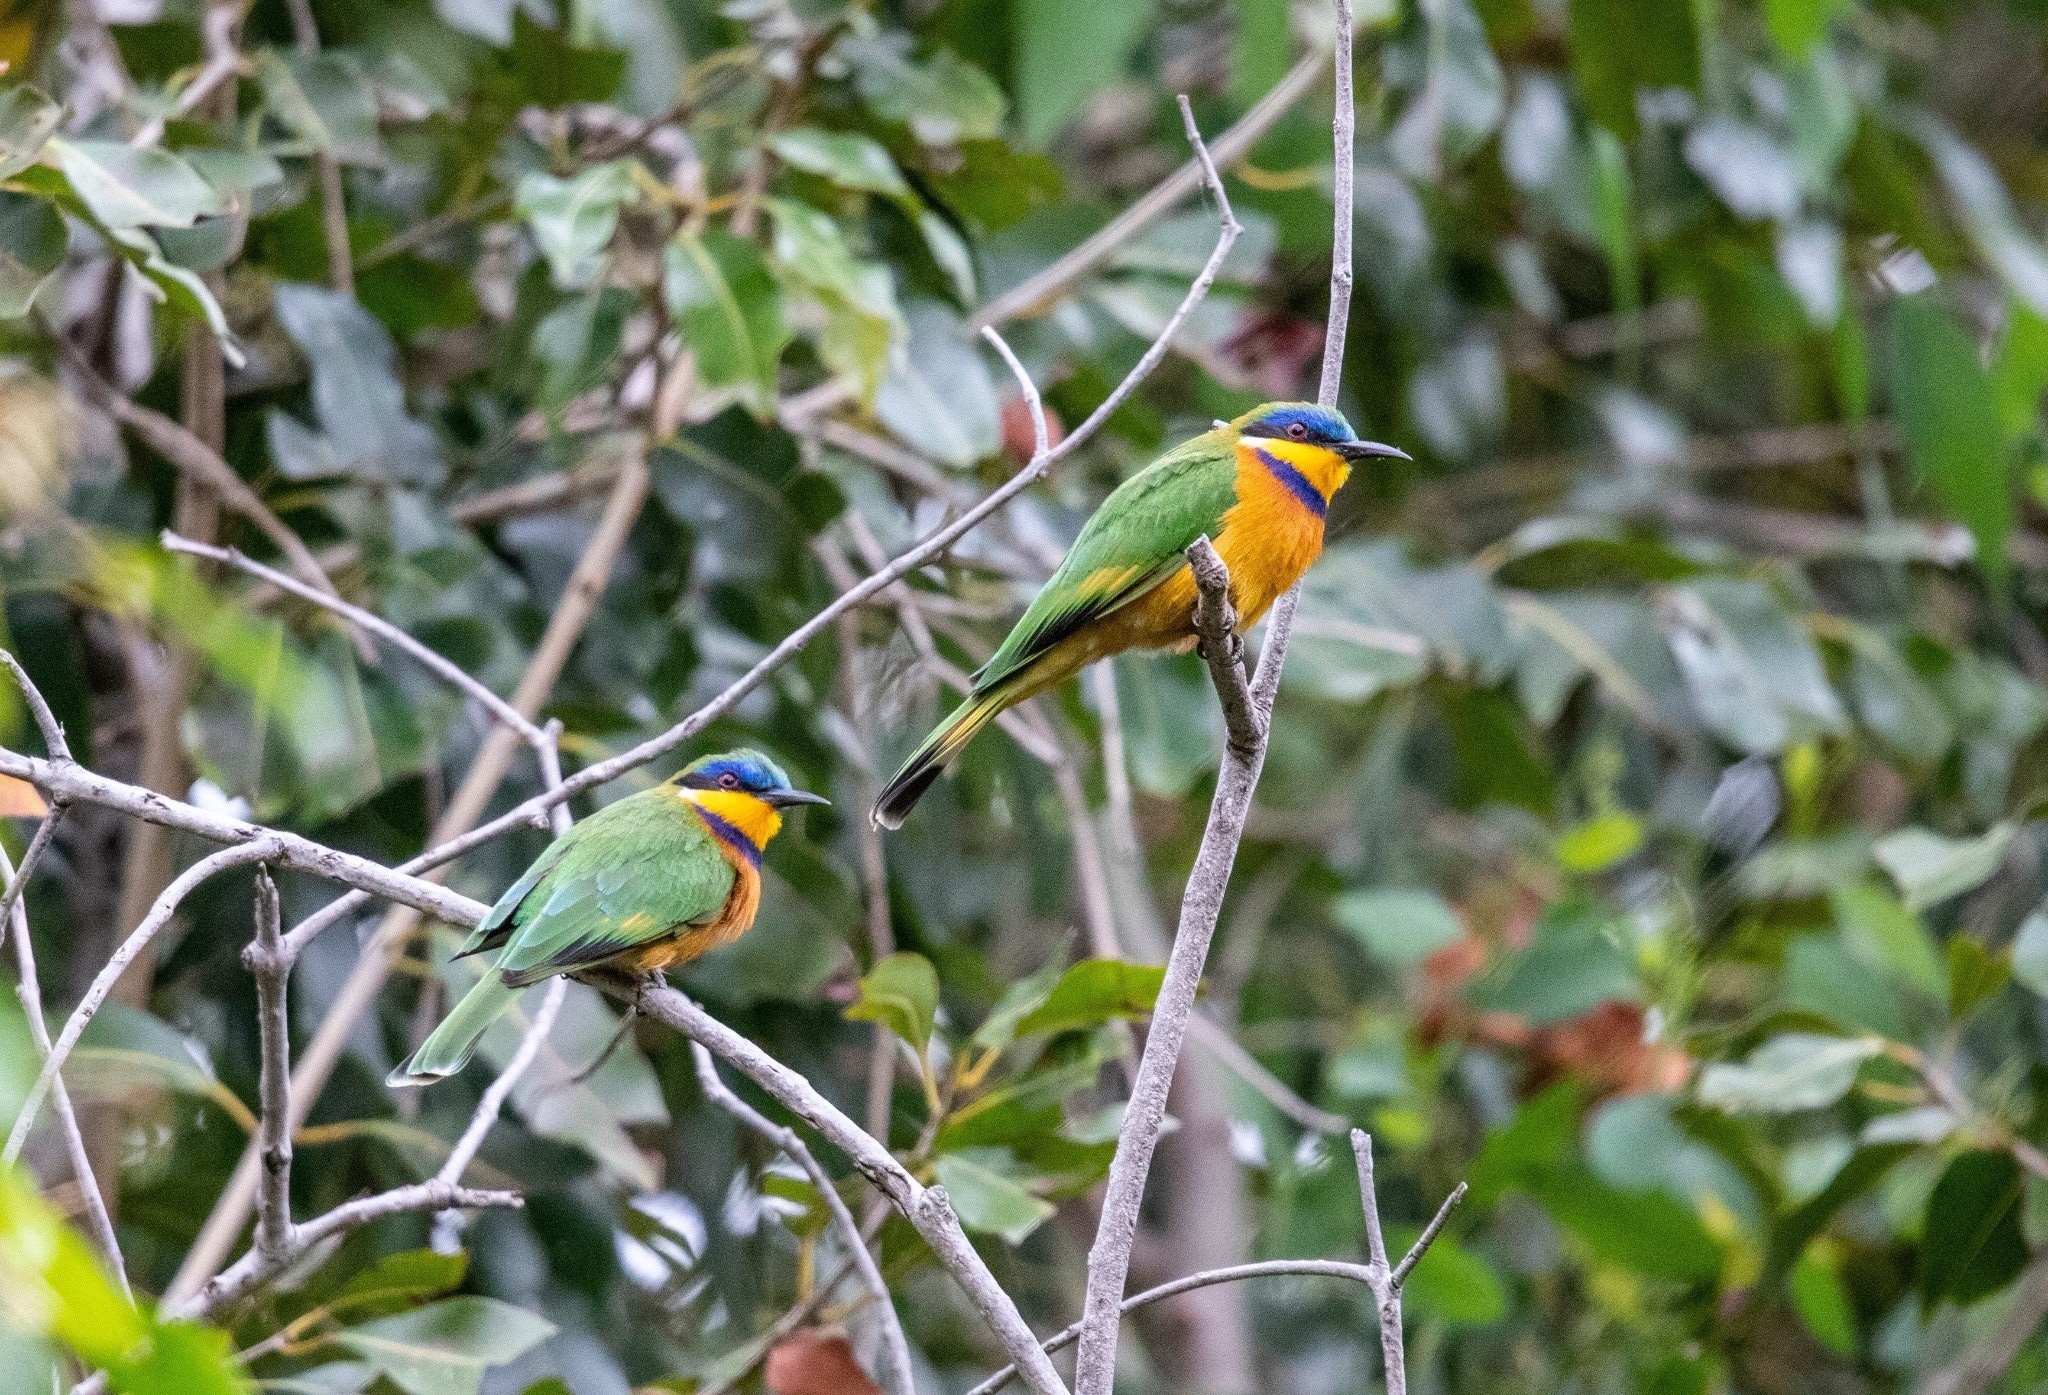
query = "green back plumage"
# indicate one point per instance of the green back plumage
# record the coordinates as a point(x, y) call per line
point(1135, 541)
point(626, 876)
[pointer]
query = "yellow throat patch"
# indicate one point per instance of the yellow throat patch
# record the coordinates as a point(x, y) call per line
point(755, 819)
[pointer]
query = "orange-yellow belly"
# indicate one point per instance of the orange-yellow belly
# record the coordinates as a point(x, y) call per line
point(733, 920)
point(1268, 540)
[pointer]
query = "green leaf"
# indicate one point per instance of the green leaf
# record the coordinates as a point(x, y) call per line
point(1540, 1137)
point(1018, 1002)
point(1646, 1232)
point(1822, 1302)
point(1930, 869)
point(1450, 1284)
point(325, 101)
point(902, 993)
point(850, 160)
point(1883, 931)
point(725, 302)
point(1971, 1245)
point(445, 1348)
point(33, 241)
point(987, 1201)
point(2030, 951)
point(1976, 974)
point(1896, 705)
point(1790, 1072)
point(1398, 926)
point(1064, 52)
point(1574, 965)
point(2019, 374)
point(861, 321)
point(128, 188)
point(1753, 672)
point(573, 219)
point(27, 121)
point(403, 1278)
point(1948, 415)
point(950, 253)
point(1620, 46)
point(357, 395)
point(1095, 991)
point(1797, 25)
point(1598, 843)
point(938, 397)
point(943, 100)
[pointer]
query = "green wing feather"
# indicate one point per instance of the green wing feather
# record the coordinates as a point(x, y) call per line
point(625, 877)
point(1134, 542)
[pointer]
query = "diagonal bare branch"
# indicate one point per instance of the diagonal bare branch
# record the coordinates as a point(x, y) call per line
point(851, 1239)
point(28, 989)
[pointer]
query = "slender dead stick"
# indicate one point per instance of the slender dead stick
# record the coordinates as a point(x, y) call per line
point(159, 916)
point(855, 1244)
point(267, 964)
point(1261, 118)
point(926, 1208)
point(443, 668)
point(29, 990)
point(1375, 1278)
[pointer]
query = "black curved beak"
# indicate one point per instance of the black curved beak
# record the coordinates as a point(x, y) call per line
point(782, 799)
point(1370, 450)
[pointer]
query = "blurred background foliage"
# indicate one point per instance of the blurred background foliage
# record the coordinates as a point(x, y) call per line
point(1650, 835)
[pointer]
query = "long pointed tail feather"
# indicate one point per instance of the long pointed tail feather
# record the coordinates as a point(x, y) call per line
point(453, 1042)
point(930, 760)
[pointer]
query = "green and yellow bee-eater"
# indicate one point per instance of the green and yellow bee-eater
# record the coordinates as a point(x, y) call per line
point(651, 881)
point(1258, 487)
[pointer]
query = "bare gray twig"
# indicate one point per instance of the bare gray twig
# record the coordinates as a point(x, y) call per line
point(1216, 623)
point(441, 667)
point(262, 848)
point(270, 968)
point(252, 1270)
point(851, 1239)
point(925, 1208)
point(29, 990)
point(51, 730)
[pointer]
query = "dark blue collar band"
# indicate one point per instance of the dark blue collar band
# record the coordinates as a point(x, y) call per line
point(731, 836)
point(1297, 483)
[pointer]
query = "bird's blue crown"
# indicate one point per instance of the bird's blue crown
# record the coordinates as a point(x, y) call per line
point(748, 770)
point(1319, 425)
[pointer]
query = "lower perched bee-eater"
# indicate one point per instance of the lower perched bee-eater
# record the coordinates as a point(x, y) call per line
point(644, 884)
point(1257, 487)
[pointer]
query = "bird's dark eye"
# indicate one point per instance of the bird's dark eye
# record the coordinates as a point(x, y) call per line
point(728, 781)
point(1298, 431)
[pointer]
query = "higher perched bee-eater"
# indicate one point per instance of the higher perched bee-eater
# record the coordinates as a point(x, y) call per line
point(644, 884)
point(1257, 487)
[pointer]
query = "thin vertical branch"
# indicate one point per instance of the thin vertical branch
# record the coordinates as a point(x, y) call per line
point(160, 913)
point(1385, 1292)
point(28, 989)
point(1109, 1258)
point(850, 1236)
point(266, 961)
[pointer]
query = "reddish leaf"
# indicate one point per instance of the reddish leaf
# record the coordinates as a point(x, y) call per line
point(816, 1361)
